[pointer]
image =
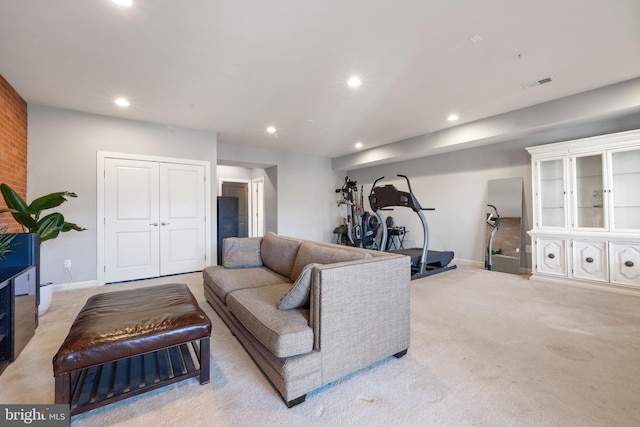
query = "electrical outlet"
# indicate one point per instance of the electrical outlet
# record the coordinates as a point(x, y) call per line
point(67, 263)
point(528, 249)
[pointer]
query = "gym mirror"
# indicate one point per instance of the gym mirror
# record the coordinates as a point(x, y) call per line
point(503, 249)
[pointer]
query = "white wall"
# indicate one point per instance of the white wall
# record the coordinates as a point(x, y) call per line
point(233, 172)
point(306, 198)
point(455, 184)
point(300, 193)
point(62, 149)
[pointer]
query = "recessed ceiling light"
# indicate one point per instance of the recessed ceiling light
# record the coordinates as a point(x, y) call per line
point(453, 117)
point(126, 3)
point(122, 102)
point(358, 145)
point(271, 129)
point(354, 81)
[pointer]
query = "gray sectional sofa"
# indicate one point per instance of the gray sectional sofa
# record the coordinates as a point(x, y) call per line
point(310, 313)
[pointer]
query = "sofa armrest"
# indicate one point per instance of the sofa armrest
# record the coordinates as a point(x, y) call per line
point(360, 312)
point(241, 252)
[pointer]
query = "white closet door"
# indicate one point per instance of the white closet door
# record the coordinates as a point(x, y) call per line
point(131, 224)
point(182, 218)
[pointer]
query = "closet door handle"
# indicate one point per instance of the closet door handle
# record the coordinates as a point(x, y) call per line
point(552, 256)
point(166, 223)
point(155, 224)
point(589, 259)
point(629, 263)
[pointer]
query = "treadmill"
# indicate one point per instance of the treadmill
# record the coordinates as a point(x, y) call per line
point(423, 261)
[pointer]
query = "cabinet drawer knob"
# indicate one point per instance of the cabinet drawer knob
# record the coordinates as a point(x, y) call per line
point(629, 263)
point(589, 259)
point(552, 256)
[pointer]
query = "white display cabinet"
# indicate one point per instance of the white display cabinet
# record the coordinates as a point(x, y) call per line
point(586, 210)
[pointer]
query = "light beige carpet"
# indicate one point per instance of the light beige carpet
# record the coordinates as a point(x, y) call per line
point(487, 349)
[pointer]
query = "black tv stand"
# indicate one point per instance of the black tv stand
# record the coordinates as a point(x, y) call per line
point(19, 292)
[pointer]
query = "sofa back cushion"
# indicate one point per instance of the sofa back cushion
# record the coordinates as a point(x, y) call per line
point(241, 252)
point(279, 253)
point(310, 252)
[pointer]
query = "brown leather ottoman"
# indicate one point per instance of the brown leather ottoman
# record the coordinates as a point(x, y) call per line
point(125, 343)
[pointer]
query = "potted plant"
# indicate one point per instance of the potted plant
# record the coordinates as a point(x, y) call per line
point(48, 227)
point(5, 242)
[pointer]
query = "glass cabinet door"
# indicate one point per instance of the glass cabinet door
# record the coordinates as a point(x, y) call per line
point(552, 193)
point(588, 192)
point(625, 174)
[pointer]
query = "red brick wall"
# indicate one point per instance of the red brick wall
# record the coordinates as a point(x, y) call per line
point(13, 146)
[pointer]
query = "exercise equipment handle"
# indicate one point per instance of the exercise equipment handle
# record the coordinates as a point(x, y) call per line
point(411, 191)
point(376, 181)
point(408, 183)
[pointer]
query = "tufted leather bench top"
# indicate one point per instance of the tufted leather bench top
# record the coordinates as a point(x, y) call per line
point(122, 324)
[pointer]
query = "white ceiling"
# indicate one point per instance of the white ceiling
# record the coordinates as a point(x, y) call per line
point(234, 66)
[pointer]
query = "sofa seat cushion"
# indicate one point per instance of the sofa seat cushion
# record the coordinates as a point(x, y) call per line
point(284, 333)
point(279, 253)
point(222, 280)
point(310, 252)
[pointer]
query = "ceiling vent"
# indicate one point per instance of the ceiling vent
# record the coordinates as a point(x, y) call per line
point(535, 83)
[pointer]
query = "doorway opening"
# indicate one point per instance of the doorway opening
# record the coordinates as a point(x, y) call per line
point(240, 191)
point(255, 188)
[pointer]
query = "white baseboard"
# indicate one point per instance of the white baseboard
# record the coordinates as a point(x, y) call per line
point(480, 264)
point(605, 286)
point(60, 287)
point(467, 262)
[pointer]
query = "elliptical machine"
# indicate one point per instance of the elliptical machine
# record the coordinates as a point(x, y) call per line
point(360, 228)
point(493, 221)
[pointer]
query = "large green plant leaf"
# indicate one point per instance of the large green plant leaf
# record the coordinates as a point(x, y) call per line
point(12, 199)
point(50, 226)
point(17, 207)
point(24, 219)
point(49, 201)
point(68, 226)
